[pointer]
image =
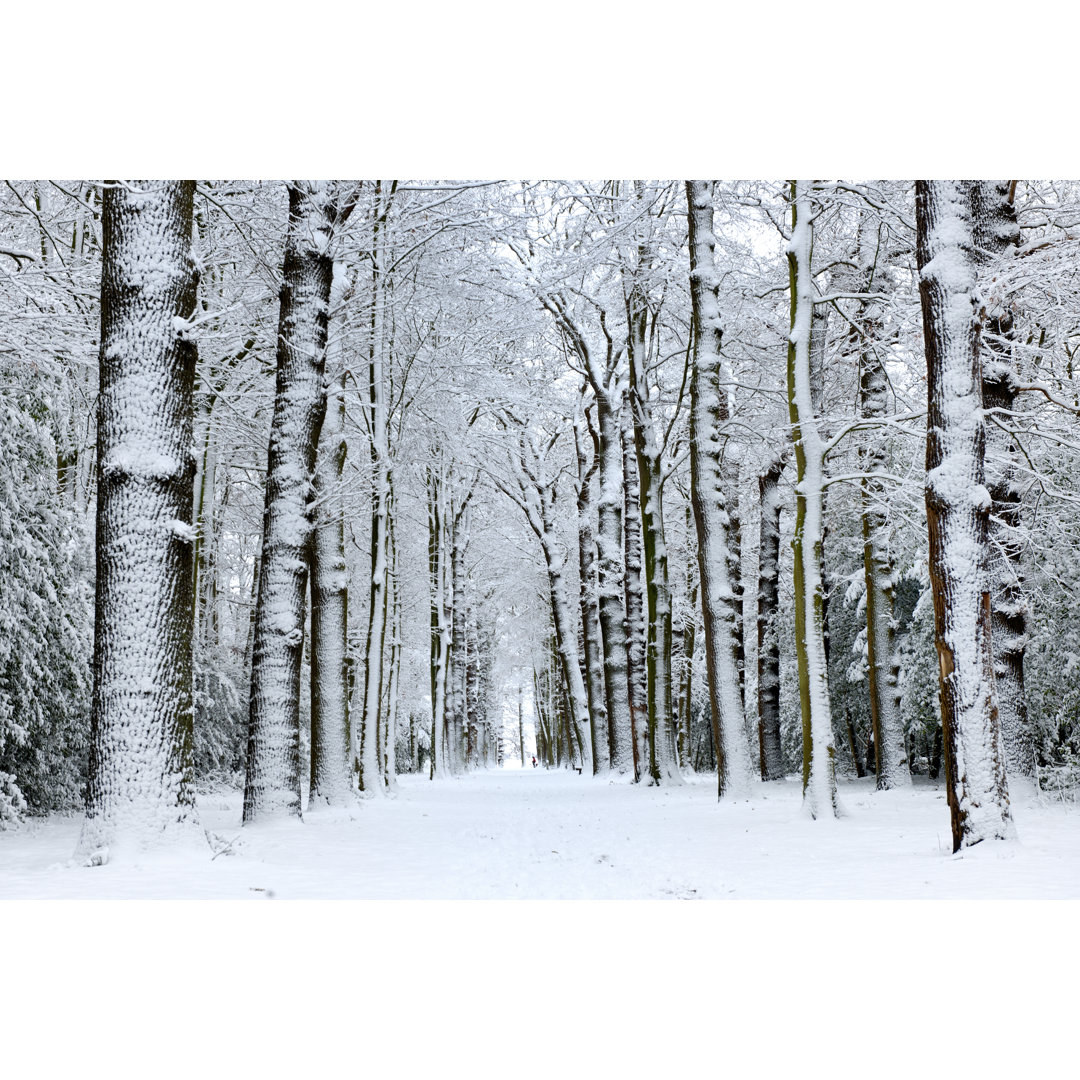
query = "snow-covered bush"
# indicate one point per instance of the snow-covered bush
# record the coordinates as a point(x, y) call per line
point(12, 803)
point(45, 605)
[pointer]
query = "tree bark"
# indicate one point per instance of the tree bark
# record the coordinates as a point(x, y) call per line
point(957, 509)
point(603, 377)
point(636, 671)
point(662, 765)
point(819, 752)
point(995, 232)
point(372, 780)
point(272, 784)
point(440, 627)
point(712, 492)
point(140, 789)
point(331, 757)
point(772, 757)
point(590, 612)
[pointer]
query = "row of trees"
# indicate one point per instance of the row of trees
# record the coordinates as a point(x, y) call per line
point(534, 441)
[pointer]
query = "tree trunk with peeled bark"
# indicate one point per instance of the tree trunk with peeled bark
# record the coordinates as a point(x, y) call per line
point(713, 492)
point(140, 788)
point(957, 510)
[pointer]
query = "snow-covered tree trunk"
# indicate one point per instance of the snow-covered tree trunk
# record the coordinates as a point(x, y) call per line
point(613, 618)
point(521, 725)
point(140, 789)
point(819, 753)
point(712, 491)
point(440, 623)
point(203, 512)
point(566, 641)
point(369, 754)
point(996, 232)
point(957, 508)
point(636, 670)
point(879, 572)
point(587, 464)
point(272, 784)
point(393, 678)
point(473, 710)
point(768, 638)
point(603, 374)
point(662, 764)
point(456, 693)
point(543, 721)
point(331, 779)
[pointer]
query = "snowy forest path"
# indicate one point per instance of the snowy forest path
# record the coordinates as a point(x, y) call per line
point(539, 834)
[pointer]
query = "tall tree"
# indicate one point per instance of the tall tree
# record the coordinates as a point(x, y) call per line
point(140, 785)
point(587, 464)
point(649, 446)
point(634, 588)
point(996, 233)
point(879, 572)
point(957, 509)
point(712, 494)
point(372, 780)
point(272, 783)
point(331, 758)
point(819, 753)
point(768, 609)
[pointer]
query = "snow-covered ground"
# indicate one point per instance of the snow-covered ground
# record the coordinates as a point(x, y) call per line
point(534, 834)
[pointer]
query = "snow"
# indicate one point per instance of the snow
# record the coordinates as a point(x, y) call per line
point(181, 529)
point(509, 834)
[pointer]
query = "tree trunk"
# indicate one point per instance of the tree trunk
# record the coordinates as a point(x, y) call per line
point(819, 753)
point(372, 781)
point(140, 789)
point(590, 613)
point(636, 671)
point(957, 509)
point(440, 627)
point(890, 766)
point(273, 761)
point(604, 379)
point(521, 726)
point(884, 668)
point(662, 765)
point(331, 757)
point(712, 496)
point(456, 695)
point(393, 678)
point(996, 230)
point(768, 639)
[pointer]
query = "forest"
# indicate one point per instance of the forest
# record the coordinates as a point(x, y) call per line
point(341, 504)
